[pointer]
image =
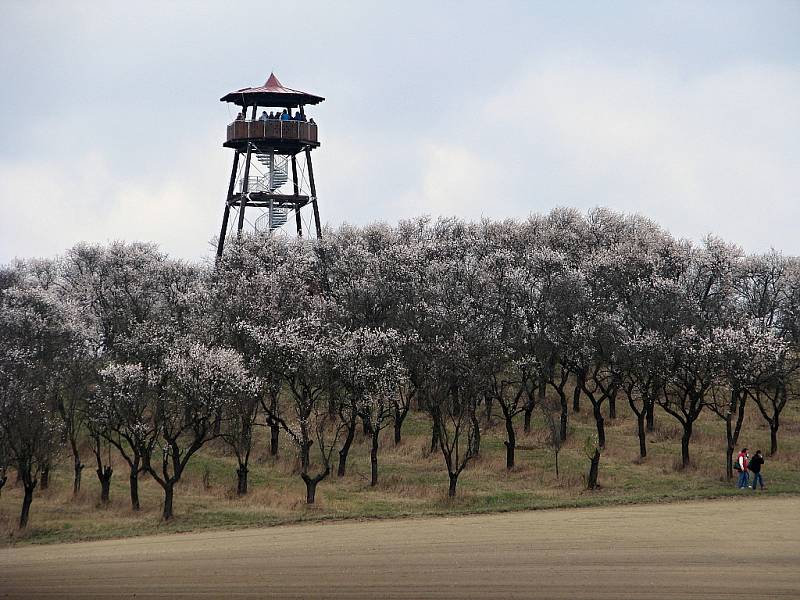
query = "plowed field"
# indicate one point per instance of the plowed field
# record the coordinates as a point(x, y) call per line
point(740, 548)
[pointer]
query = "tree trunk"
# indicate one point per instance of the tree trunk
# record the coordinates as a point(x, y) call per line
point(640, 430)
point(104, 476)
point(169, 492)
point(218, 421)
point(738, 400)
point(562, 432)
point(576, 398)
point(729, 462)
point(731, 434)
point(332, 405)
point(612, 404)
point(133, 479)
point(274, 432)
point(593, 468)
point(44, 483)
point(526, 422)
point(76, 482)
point(773, 436)
point(26, 505)
point(685, 438)
point(451, 490)
point(311, 489)
point(241, 480)
point(476, 440)
point(650, 415)
point(601, 430)
point(489, 405)
point(366, 426)
point(399, 419)
point(373, 457)
point(511, 443)
point(305, 454)
point(345, 449)
point(434, 437)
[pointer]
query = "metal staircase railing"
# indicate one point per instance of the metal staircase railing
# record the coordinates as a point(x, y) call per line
point(272, 219)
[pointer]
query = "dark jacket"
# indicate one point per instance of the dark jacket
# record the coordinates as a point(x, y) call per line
point(755, 463)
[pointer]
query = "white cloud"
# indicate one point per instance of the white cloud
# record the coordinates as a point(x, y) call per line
point(453, 181)
point(716, 153)
point(48, 205)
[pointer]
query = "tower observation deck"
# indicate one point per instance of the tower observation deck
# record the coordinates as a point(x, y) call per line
point(272, 175)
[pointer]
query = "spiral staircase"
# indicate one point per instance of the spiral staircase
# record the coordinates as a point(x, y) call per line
point(276, 175)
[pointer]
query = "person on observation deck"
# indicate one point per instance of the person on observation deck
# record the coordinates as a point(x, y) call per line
point(240, 116)
point(285, 116)
point(264, 116)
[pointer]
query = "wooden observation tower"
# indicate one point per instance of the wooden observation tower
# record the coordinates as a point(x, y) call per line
point(270, 147)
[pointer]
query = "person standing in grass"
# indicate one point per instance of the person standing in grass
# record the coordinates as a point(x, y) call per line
point(743, 461)
point(755, 466)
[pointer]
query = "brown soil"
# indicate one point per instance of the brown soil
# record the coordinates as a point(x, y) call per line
point(742, 548)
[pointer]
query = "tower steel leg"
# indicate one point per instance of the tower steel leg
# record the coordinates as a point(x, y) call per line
point(296, 193)
point(313, 193)
point(227, 212)
point(245, 187)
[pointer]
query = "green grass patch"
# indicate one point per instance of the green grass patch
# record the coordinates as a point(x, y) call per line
point(413, 482)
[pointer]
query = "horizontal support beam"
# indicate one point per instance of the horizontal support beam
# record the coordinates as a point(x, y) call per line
point(262, 199)
point(284, 148)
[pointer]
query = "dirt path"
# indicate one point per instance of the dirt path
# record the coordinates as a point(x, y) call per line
point(655, 551)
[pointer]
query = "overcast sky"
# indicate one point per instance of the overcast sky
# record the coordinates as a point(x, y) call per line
point(686, 112)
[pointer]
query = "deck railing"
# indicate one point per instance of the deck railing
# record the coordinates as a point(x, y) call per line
point(273, 129)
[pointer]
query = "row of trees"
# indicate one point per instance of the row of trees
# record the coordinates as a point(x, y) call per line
point(153, 357)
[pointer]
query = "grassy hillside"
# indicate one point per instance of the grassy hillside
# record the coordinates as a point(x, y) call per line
point(413, 482)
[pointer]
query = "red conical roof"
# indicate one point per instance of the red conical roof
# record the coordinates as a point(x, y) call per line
point(273, 85)
point(272, 93)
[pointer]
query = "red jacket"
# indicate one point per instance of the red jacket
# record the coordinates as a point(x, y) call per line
point(743, 461)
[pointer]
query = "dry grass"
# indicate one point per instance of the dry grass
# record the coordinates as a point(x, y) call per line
point(412, 480)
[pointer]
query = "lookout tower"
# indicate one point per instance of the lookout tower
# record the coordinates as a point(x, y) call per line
point(271, 144)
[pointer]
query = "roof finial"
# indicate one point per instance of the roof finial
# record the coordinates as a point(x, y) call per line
point(272, 81)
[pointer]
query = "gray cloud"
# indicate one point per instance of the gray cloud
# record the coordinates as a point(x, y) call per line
point(684, 112)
